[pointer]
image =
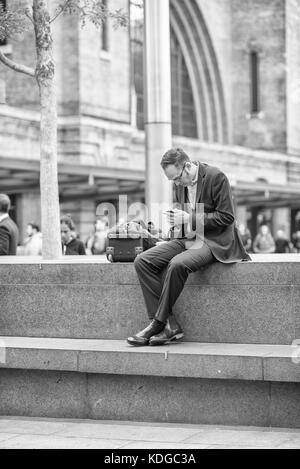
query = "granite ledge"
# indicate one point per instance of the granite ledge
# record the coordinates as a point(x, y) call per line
point(256, 362)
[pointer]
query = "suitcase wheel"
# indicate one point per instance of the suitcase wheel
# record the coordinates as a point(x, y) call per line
point(110, 254)
point(139, 250)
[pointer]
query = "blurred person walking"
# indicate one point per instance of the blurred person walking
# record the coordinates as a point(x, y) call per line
point(96, 244)
point(9, 233)
point(282, 244)
point(264, 242)
point(33, 242)
point(296, 241)
point(71, 245)
point(245, 236)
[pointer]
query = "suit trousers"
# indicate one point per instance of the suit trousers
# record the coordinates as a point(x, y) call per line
point(163, 271)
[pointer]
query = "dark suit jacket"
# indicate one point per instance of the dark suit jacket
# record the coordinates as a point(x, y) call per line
point(9, 235)
point(75, 248)
point(220, 231)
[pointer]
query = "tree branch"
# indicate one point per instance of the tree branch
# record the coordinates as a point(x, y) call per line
point(15, 66)
point(60, 10)
point(28, 14)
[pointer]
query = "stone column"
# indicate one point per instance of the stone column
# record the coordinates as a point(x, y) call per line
point(281, 220)
point(157, 100)
point(241, 214)
point(28, 211)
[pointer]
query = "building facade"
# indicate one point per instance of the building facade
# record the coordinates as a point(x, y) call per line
point(235, 104)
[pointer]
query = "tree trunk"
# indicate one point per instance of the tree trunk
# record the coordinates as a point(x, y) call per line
point(48, 136)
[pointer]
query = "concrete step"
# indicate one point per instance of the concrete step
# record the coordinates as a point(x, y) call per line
point(254, 303)
point(204, 383)
point(180, 359)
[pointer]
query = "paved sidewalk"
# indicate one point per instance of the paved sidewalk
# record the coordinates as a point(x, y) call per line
point(44, 433)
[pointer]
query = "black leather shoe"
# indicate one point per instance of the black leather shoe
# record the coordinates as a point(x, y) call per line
point(142, 337)
point(171, 333)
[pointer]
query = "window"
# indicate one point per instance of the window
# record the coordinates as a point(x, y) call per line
point(254, 82)
point(104, 30)
point(137, 40)
point(3, 42)
point(183, 110)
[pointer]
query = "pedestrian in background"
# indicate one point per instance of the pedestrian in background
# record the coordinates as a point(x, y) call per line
point(296, 241)
point(245, 236)
point(9, 232)
point(264, 242)
point(71, 245)
point(96, 244)
point(282, 244)
point(33, 241)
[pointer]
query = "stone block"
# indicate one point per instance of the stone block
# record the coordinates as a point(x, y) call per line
point(166, 363)
point(285, 405)
point(77, 311)
point(64, 273)
point(296, 274)
point(252, 273)
point(178, 400)
point(43, 394)
point(91, 300)
point(182, 360)
point(296, 306)
point(62, 394)
point(281, 369)
point(237, 314)
point(34, 359)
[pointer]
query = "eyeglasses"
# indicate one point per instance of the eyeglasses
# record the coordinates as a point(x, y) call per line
point(178, 178)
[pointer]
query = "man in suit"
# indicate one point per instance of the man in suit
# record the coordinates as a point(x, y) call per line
point(9, 232)
point(164, 269)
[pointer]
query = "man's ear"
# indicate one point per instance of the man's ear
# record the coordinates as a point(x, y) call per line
point(188, 165)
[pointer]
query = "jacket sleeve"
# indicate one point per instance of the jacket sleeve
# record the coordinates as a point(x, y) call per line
point(223, 214)
point(82, 249)
point(4, 241)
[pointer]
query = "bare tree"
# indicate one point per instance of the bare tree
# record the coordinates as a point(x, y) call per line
point(39, 17)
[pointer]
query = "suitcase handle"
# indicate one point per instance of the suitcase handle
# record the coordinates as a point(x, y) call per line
point(124, 235)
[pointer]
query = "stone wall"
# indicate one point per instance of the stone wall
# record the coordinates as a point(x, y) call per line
point(253, 302)
point(217, 15)
point(293, 75)
point(66, 55)
point(262, 23)
point(100, 95)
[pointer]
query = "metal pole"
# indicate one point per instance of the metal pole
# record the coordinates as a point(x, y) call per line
point(158, 126)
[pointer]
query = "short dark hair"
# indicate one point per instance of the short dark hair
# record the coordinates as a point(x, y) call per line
point(34, 226)
point(4, 203)
point(175, 156)
point(67, 220)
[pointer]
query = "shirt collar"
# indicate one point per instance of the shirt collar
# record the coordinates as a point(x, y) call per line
point(195, 180)
point(2, 217)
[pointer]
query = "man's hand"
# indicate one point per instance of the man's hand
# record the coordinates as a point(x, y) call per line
point(177, 217)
